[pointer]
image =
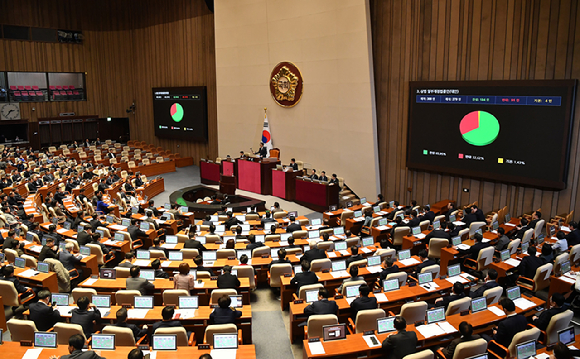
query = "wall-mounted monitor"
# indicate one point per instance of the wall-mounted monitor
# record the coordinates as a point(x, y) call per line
point(180, 112)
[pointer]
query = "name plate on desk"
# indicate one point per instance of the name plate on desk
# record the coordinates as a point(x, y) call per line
point(298, 301)
point(203, 347)
point(338, 296)
point(287, 275)
point(313, 340)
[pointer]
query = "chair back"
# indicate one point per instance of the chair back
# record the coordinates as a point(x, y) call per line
point(171, 296)
point(351, 284)
point(316, 322)
point(352, 241)
point(258, 252)
point(414, 311)
point(98, 252)
point(470, 348)
point(538, 228)
point(295, 251)
point(557, 262)
point(435, 246)
point(299, 234)
point(346, 214)
point(326, 245)
point(305, 288)
point(66, 330)
point(218, 293)
point(527, 235)
point(182, 340)
point(474, 226)
point(514, 245)
point(386, 253)
point(277, 271)
point(21, 329)
point(367, 319)
point(11, 255)
point(521, 337)
point(79, 292)
point(401, 276)
point(425, 354)
point(540, 281)
point(458, 306)
point(30, 261)
point(557, 323)
point(210, 330)
point(156, 253)
point(400, 232)
point(358, 263)
point(272, 237)
point(575, 254)
point(123, 336)
point(225, 253)
point(464, 234)
point(484, 258)
point(433, 269)
point(318, 265)
point(9, 294)
point(125, 296)
point(189, 253)
point(424, 225)
point(123, 272)
point(493, 295)
point(247, 272)
point(212, 238)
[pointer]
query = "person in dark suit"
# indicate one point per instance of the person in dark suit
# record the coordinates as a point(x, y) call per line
point(253, 243)
point(96, 239)
point(389, 267)
point(134, 230)
point(573, 237)
point(468, 217)
point(262, 151)
point(313, 253)
point(223, 314)
point(536, 216)
point(510, 326)
point(353, 271)
point(313, 174)
point(521, 229)
point(466, 331)
point(84, 316)
point(304, 278)
point(227, 279)
point(136, 283)
point(490, 282)
point(167, 314)
point(231, 221)
point(128, 258)
point(199, 265)
point(363, 302)
point(42, 313)
point(49, 250)
point(429, 215)
point(193, 243)
point(95, 222)
point(473, 251)
point(478, 213)
point(76, 344)
point(122, 323)
point(529, 264)
point(10, 242)
point(398, 223)
point(293, 226)
point(322, 305)
point(333, 179)
point(281, 258)
point(8, 275)
point(293, 164)
point(414, 221)
point(323, 177)
point(267, 219)
point(425, 262)
point(356, 256)
point(545, 316)
point(458, 293)
point(402, 343)
point(438, 233)
point(84, 236)
point(503, 241)
point(159, 273)
point(67, 258)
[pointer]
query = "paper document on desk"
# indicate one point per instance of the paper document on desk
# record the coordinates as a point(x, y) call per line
point(485, 240)
point(61, 230)
point(185, 313)
point(350, 300)
point(199, 285)
point(117, 227)
point(509, 224)
point(159, 221)
point(513, 262)
point(420, 236)
point(568, 280)
point(369, 341)
point(459, 223)
point(565, 228)
point(32, 353)
point(90, 281)
point(383, 227)
point(363, 249)
point(110, 242)
point(381, 297)
point(284, 244)
point(430, 287)
point(344, 252)
point(523, 303)
point(332, 255)
point(359, 219)
point(224, 353)
point(316, 348)
point(542, 356)
point(65, 309)
point(448, 328)
point(166, 264)
point(409, 261)
point(28, 273)
point(456, 278)
point(169, 245)
point(141, 262)
point(375, 269)
point(463, 247)
point(137, 313)
point(35, 249)
point(430, 330)
point(339, 274)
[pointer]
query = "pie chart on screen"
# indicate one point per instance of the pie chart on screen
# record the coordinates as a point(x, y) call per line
point(176, 112)
point(479, 128)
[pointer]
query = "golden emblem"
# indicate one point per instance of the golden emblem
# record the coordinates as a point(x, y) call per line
point(286, 84)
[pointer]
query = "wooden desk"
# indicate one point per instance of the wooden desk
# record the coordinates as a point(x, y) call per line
point(441, 206)
point(2, 316)
point(284, 183)
point(316, 196)
point(48, 280)
point(14, 350)
point(450, 255)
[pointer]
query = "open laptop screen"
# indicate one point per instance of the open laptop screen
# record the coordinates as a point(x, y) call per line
point(45, 340)
point(526, 349)
point(435, 315)
point(225, 341)
point(385, 325)
point(164, 342)
point(103, 341)
point(567, 336)
point(334, 332)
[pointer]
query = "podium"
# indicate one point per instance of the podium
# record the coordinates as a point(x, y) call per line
point(254, 176)
point(228, 184)
point(284, 183)
point(228, 168)
point(316, 195)
point(209, 172)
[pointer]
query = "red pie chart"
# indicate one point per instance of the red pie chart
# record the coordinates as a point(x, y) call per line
point(479, 128)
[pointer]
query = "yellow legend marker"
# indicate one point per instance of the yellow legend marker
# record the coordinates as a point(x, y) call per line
point(500, 160)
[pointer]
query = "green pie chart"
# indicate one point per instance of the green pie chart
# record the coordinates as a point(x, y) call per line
point(176, 112)
point(479, 128)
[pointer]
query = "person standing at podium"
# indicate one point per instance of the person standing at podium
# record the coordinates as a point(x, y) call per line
point(262, 152)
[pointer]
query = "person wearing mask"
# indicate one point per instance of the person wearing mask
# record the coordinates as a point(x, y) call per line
point(86, 315)
point(136, 283)
point(401, 344)
point(322, 306)
point(42, 313)
point(223, 314)
point(184, 280)
point(511, 325)
point(490, 282)
point(305, 277)
point(227, 279)
point(76, 343)
point(122, 323)
point(467, 335)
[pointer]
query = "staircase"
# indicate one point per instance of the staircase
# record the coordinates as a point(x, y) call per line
point(346, 195)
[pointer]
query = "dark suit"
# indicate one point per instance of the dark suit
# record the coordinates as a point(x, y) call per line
point(573, 238)
point(224, 316)
point(362, 303)
point(10, 243)
point(351, 259)
point(312, 254)
point(427, 263)
point(47, 252)
point(135, 232)
point(323, 306)
point(529, 265)
point(252, 246)
point(479, 215)
point(293, 227)
point(450, 350)
point(473, 251)
point(44, 316)
point(166, 324)
point(294, 166)
point(502, 243)
point(398, 345)
point(140, 284)
point(232, 222)
point(468, 219)
point(387, 271)
point(448, 299)
point(545, 317)
point(83, 238)
point(479, 292)
point(430, 216)
point(323, 178)
point(85, 319)
point(508, 328)
point(437, 233)
point(96, 223)
point(79, 354)
point(262, 152)
point(137, 333)
point(19, 287)
point(520, 233)
point(228, 280)
point(413, 222)
point(314, 176)
point(304, 278)
point(68, 259)
point(265, 222)
point(194, 244)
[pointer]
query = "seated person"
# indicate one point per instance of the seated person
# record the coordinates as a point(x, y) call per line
point(314, 252)
point(136, 283)
point(363, 302)
point(458, 293)
point(183, 279)
point(199, 265)
point(356, 256)
point(561, 244)
point(8, 275)
point(293, 226)
point(291, 242)
point(49, 250)
point(42, 313)
point(244, 262)
point(227, 279)
point(128, 258)
point(503, 241)
point(467, 335)
point(490, 282)
point(167, 314)
point(389, 267)
point(223, 314)
point(323, 305)
point(193, 243)
point(76, 343)
point(253, 244)
point(397, 346)
point(86, 315)
point(122, 322)
point(281, 258)
point(547, 254)
point(425, 262)
point(353, 271)
point(304, 278)
point(159, 273)
point(542, 321)
point(96, 239)
point(511, 325)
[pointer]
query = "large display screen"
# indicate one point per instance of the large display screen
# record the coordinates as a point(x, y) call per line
point(180, 112)
point(508, 131)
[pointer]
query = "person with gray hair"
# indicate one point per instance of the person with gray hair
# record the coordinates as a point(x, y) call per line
point(68, 258)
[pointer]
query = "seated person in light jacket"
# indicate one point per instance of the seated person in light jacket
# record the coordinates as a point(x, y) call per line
point(136, 283)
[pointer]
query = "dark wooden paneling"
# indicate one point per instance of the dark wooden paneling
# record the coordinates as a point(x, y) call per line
point(419, 40)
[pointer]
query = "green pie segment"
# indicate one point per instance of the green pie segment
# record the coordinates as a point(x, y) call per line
point(176, 112)
point(486, 130)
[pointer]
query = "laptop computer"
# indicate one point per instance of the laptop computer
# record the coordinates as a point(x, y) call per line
point(376, 209)
point(260, 237)
point(358, 213)
point(368, 241)
point(404, 254)
point(311, 296)
point(188, 302)
point(85, 251)
point(144, 226)
point(109, 219)
point(338, 231)
point(338, 266)
point(241, 217)
point(505, 255)
point(45, 340)
point(175, 256)
point(143, 302)
point(513, 293)
point(340, 246)
point(274, 253)
point(125, 222)
point(167, 205)
point(332, 207)
point(184, 209)
point(314, 234)
point(525, 247)
point(452, 218)
point(108, 273)
point(164, 342)
point(19, 262)
point(507, 218)
point(526, 350)
point(209, 257)
point(225, 341)
point(143, 254)
point(540, 239)
point(119, 237)
point(480, 231)
point(334, 332)
point(352, 291)
point(170, 239)
point(148, 274)
point(236, 301)
point(565, 267)
point(62, 246)
point(193, 272)
point(391, 204)
point(61, 299)
point(567, 336)
point(201, 239)
point(316, 222)
point(390, 285)
point(66, 225)
point(453, 270)
point(373, 261)
point(478, 304)
point(30, 237)
point(42, 267)
point(495, 225)
point(220, 228)
point(425, 277)
point(383, 221)
point(436, 224)
point(247, 252)
point(101, 301)
point(100, 232)
point(416, 230)
point(103, 342)
point(436, 315)
point(285, 236)
point(363, 200)
point(385, 325)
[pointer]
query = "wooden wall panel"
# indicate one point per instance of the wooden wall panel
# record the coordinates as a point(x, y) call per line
point(420, 40)
point(129, 47)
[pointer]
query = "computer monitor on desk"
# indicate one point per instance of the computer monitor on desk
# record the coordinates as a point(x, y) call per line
point(334, 332)
point(526, 350)
point(164, 342)
point(103, 342)
point(45, 340)
point(385, 325)
point(225, 341)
